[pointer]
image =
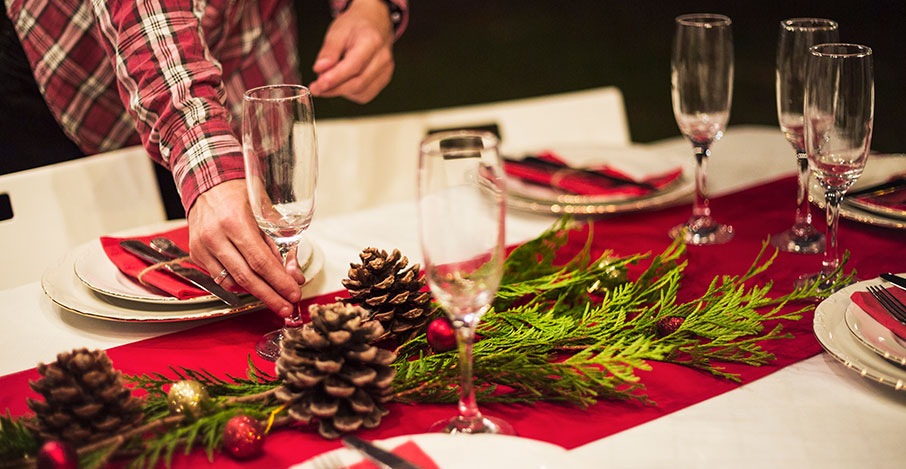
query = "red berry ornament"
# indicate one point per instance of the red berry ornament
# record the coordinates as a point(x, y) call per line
point(57, 455)
point(243, 437)
point(668, 325)
point(441, 336)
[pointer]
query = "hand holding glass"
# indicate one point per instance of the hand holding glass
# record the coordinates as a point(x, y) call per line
point(839, 113)
point(701, 79)
point(796, 36)
point(280, 151)
point(461, 209)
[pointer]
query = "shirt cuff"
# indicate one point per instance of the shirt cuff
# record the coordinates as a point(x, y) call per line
point(204, 156)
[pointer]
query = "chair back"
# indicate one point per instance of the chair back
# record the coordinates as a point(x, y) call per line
point(58, 207)
point(369, 161)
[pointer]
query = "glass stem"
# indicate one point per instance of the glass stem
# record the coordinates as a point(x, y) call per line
point(831, 259)
point(288, 252)
point(803, 211)
point(702, 152)
point(465, 335)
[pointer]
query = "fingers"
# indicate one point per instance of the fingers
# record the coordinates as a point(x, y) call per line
point(356, 60)
point(219, 239)
point(364, 86)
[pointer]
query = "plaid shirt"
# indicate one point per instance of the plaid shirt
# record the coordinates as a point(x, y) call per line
point(167, 73)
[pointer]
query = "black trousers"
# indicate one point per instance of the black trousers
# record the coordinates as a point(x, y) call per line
point(29, 134)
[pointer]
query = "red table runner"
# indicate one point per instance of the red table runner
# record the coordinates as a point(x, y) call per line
point(757, 212)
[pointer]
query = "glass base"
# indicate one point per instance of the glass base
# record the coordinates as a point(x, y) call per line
point(481, 424)
point(702, 231)
point(806, 280)
point(268, 346)
point(800, 238)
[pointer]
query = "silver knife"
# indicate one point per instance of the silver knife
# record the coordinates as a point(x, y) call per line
point(895, 279)
point(383, 458)
point(193, 276)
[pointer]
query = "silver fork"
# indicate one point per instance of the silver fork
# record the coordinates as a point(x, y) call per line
point(889, 302)
point(328, 460)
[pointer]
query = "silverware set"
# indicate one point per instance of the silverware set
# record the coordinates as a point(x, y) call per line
point(890, 303)
point(163, 251)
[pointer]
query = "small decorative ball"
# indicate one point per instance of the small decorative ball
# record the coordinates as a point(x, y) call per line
point(441, 336)
point(57, 455)
point(243, 437)
point(668, 325)
point(188, 397)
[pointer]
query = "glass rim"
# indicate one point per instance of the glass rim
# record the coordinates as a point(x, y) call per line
point(858, 50)
point(809, 24)
point(300, 92)
point(707, 20)
point(438, 136)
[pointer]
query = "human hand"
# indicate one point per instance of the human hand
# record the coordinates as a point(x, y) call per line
point(223, 234)
point(356, 59)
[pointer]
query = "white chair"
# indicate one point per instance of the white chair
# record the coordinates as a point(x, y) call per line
point(57, 207)
point(372, 160)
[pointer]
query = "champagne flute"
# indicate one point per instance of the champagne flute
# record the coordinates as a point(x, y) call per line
point(796, 36)
point(701, 79)
point(280, 151)
point(461, 210)
point(839, 112)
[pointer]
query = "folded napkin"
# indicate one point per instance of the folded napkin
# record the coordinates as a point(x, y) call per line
point(871, 306)
point(893, 200)
point(408, 451)
point(132, 266)
point(576, 182)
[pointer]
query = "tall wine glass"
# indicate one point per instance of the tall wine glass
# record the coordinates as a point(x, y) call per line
point(461, 209)
point(701, 79)
point(796, 36)
point(280, 151)
point(839, 113)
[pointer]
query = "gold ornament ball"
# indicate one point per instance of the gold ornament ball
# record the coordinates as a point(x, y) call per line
point(187, 397)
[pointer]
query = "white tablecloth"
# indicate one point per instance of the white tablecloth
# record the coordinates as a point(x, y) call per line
point(815, 413)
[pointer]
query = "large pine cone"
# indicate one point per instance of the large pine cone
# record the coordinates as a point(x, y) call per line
point(85, 399)
point(383, 285)
point(332, 373)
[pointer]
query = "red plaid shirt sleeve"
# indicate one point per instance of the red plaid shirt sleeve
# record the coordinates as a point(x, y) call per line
point(170, 73)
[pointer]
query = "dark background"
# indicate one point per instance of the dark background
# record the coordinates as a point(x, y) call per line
point(457, 52)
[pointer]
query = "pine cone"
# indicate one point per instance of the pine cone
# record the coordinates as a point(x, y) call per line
point(331, 372)
point(85, 399)
point(383, 285)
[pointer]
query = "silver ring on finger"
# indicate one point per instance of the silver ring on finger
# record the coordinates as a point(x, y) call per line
point(221, 276)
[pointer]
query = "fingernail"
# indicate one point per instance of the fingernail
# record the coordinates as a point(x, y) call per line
point(286, 311)
point(321, 63)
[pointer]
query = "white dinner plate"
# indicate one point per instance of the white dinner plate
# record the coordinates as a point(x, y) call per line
point(834, 335)
point(878, 169)
point(97, 272)
point(63, 287)
point(468, 452)
point(637, 161)
point(874, 335)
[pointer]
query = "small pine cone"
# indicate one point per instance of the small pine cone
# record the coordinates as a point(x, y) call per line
point(393, 293)
point(85, 399)
point(331, 372)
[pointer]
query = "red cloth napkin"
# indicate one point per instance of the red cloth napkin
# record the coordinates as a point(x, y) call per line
point(895, 200)
point(408, 451)
point(871, 306)
point(583, 184)
point(132, 266)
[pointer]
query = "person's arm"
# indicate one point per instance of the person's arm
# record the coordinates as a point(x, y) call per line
point(173, 89)
point(356, 59)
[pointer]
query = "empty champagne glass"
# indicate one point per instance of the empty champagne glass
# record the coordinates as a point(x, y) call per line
point(796, 36)
point(461, 210)
point(839, 112)
point(701, 84)
point(280, 151)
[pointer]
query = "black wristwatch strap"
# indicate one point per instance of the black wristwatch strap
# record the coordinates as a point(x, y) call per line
point(396, 13)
